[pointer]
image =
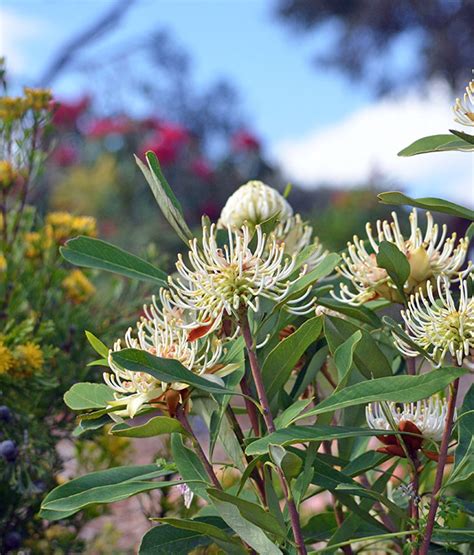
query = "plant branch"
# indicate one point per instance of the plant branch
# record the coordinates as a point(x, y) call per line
point(443, 455)
point(268, 418)
point(183, 419)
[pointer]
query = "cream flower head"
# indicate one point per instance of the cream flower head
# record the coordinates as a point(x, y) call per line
point(221, 280)
point(428, 415)
point(429, 254)
point(157, 335)
point(297, 235)
point(464, 109)
point(440, 326)
point(252, 204)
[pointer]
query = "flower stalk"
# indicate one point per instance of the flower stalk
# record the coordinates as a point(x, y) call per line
point(443, 455)
point(268, 418)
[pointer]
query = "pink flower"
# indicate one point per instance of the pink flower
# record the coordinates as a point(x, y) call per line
point(166, 142)
point(244, 141)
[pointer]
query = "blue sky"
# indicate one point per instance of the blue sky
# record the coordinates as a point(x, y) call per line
point(314, 122)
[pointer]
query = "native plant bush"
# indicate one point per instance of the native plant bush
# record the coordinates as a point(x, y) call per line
point(328, 382)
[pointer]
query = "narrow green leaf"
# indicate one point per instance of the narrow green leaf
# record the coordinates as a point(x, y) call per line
point(464, 136)
point(301, 434)
point(156, 426)
point(435, 143)
point(95, 253)
point(182, 535)
point(85, 395)
point(164, 369)
point(103, 486)
point(245, 529)
point(189, 466)
point(250, 511)
point(427, 203)
point(401, 389)
point(99, 347)
point(368, 357)
point(283, 358)
point(287, 416)
point(395, 262)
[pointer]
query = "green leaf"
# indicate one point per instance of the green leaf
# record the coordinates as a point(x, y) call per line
point(344, 356)
point(244, 528)
point(427, 203)
point(289, 463)
point(400, 332)
point(395, 262)
point(95, 253)
point(361, 313)
point(156, 426)
point(364, 492)
point(90, 425)
point(164, 369)
point(464, 136)
point(250, 511)
point(164, 196)
point(287, 416)
point(103, 486)
point(435, 143)
point(301, 434)
point(283, 358)
point(85, 395)
point(99, 347)
point(400, 389)
point(368, 357)
point(182, 535)
point(189, 466)
point(464, 454)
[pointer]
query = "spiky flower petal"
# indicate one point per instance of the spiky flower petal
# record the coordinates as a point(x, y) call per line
point(252, 204)
point(440, 325)
point(429, 254)
point(220, 281)
point(428, 415)
point(464, 109)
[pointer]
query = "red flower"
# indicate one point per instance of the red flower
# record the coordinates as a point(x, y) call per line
point(102, 127)
point(243, 141)
point(65, 114)
point(65, 155)
point(166, 142)
point(201, 168)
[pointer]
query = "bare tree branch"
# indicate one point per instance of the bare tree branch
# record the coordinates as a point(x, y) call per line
point(68, 52)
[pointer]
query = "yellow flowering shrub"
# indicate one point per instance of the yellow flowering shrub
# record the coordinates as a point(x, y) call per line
point(29, 358)
point(77, 287)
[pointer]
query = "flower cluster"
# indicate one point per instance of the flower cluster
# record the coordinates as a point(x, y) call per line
point(21, 360)
point(158, 334)
point(77, 287)
point(64, 225)
point(430, 254)
point(441, 325)
point(424, 420)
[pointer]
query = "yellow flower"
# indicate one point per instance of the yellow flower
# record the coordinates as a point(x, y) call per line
point(64, 225)
point(36, 242)
point(7, 362)
point(8, 175)
point(37, 99)
point(3, 264)
point(12, 108)
point(77, 287)
point(29, 357)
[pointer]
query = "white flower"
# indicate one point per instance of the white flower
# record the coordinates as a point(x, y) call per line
point(429, 416)
point(440, 326)
point(221, 281)
point(252, 204)
point(429, 254)
point(464, 109)
point(297, 235)
point(159, 336)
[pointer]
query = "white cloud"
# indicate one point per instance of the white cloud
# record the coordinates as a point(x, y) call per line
point(366, 143)
point(17, 29)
